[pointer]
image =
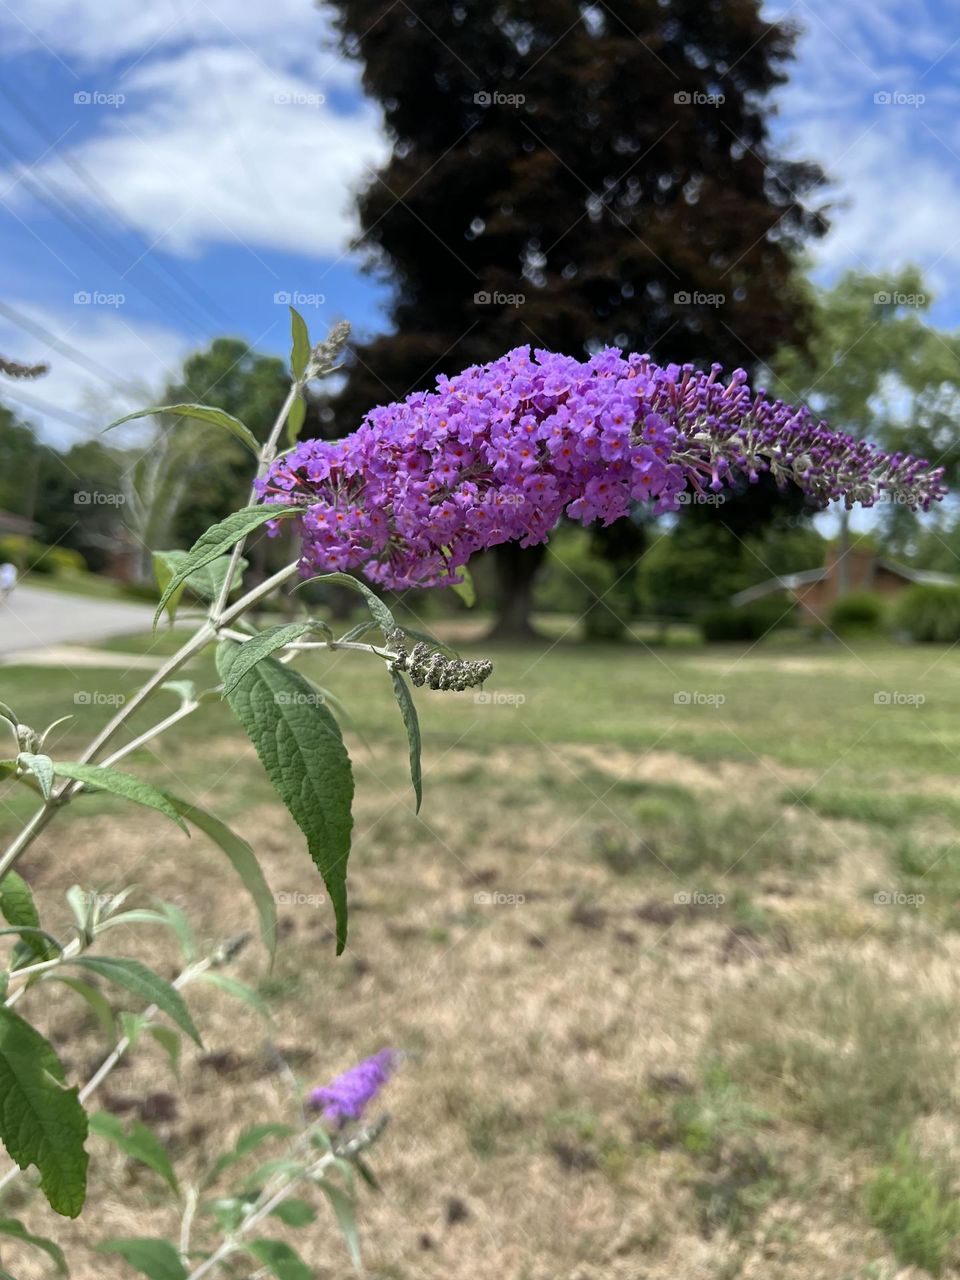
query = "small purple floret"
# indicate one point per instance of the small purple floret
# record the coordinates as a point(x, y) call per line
point(346, 1096)
point(501, 451)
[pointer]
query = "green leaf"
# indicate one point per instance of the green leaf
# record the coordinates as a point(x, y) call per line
point(181, 927)
point(17, 907)
point(205, 582)
point(138, 1142)
point(285, 1263)
point(250, 1139)
point(271, 1169)
point(219, 539)
point(296, 418)
point(102, 778)
point(465, 589)
point(239, 990)
point(200, 413)
point(98, 1005)
point(41, 1120)
point(168, 1040)
point(339, 709)
point(366, 1173)
point(408, 710)
point(185, 690)
point(299, 743)
point(134, 1025)
point(156, 1259)
point(379, 611)
point(300, 348)
point(295, 1213)
point(261, 646)
point(17, 1231)
point(432, 641)
point(359, 631)
point(346, 1219)
point(244, 862)
point(141, 981)
point(42, 769)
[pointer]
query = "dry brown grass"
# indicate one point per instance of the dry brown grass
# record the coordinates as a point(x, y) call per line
point(549, 1044)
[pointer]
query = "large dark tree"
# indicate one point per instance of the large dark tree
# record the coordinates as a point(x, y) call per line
point(608, 164)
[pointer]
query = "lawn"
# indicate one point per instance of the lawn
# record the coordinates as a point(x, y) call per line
point(671, 952)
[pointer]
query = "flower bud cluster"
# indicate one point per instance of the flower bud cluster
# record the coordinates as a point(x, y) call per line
point(430, 667)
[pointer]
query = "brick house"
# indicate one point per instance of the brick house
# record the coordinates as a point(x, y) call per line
point(815, 591)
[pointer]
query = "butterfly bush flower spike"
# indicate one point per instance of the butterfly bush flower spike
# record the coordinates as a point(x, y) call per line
point(345, 1097)
point(501, 451)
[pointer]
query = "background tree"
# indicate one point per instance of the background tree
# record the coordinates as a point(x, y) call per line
point(610, 163)
point(873, 366)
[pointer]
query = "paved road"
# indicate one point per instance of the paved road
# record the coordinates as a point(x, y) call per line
point(32, 619)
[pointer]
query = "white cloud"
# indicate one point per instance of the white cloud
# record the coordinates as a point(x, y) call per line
point(91, 33)
point(895, 169)
point(213, 146)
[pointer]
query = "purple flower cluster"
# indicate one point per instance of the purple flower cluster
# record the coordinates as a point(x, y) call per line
point(345, 1097)
point(501, 451)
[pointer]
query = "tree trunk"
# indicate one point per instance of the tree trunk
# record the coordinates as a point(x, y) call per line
point(516, 568)
point(843, 556)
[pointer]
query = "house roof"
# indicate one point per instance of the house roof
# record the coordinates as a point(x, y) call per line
point(791, 581)
point(9, 523)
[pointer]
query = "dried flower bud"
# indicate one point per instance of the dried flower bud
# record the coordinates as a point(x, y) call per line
point(14, 369)
point(429, 666)
point(326, 353)
point(28, 739)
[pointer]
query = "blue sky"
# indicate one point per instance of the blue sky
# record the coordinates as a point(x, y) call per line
point(175, 171)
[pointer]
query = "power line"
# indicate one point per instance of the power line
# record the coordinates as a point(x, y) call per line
point(189, 287)
point(48, 194)
point(70, 353)
point(43, 406)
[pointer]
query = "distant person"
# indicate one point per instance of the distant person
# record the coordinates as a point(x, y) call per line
point(8, 579)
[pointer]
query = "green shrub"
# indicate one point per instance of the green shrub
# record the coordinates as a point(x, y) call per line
point(911, 1203)
point(66, 560)
point(36, 557)
point(728, 622)
point(577, 580)
point(858, 613)
point(930, 614)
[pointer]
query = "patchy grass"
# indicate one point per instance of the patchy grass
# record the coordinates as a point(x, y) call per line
point(847, 1051)
point(656, 1021)
point(911, 1201)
